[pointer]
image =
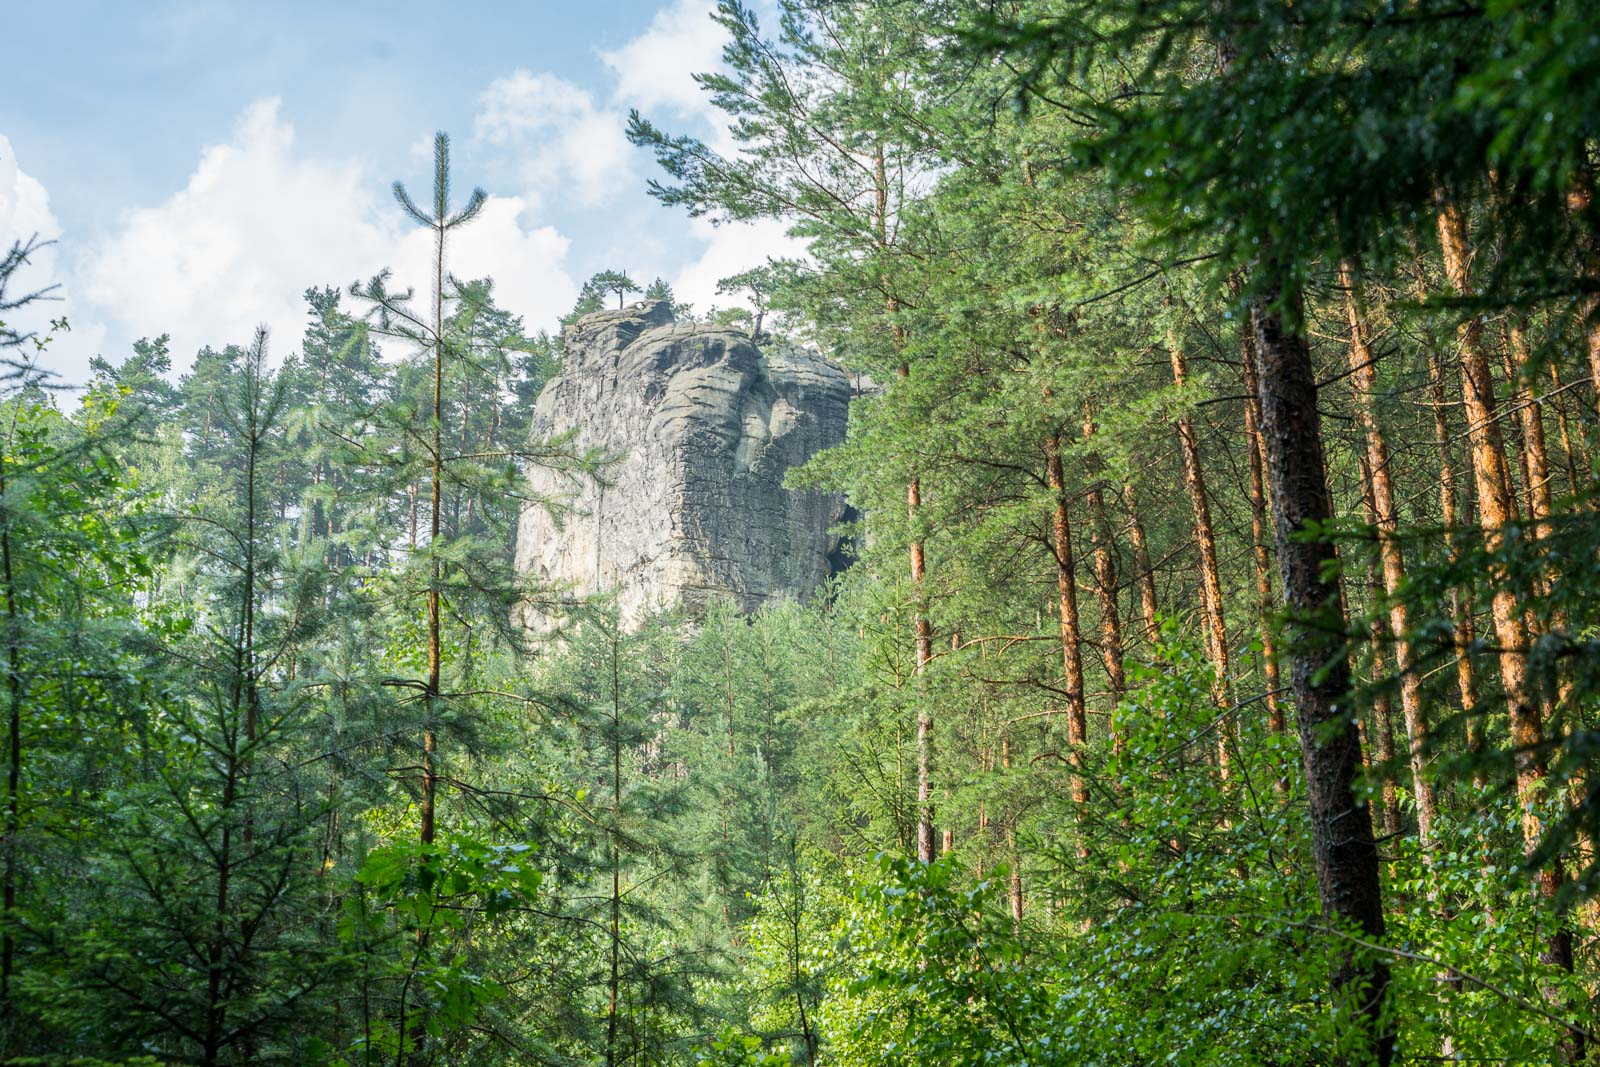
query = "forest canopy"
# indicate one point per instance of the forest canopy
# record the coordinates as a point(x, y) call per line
point(1215, 678)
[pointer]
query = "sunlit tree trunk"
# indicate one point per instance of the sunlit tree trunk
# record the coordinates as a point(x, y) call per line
point(1067, 606)
point(1496, 512)
point(1385, 518)
point(1146, 578)
point(1212, 621)
point(1536, 456)
point(1105, 581)
point(1382, 705)
point(922, 628)
point(1520, 375)
point(1450, 514)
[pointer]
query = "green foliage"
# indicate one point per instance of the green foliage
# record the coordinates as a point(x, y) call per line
point(729, 1049)
point(690, 841)
point(607, 281)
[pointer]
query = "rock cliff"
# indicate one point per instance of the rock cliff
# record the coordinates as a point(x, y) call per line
point(705, 425)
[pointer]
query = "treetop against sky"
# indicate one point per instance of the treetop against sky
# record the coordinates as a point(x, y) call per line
point(201, 164)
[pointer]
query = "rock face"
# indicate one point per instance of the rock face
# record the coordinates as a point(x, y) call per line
point(705, 425)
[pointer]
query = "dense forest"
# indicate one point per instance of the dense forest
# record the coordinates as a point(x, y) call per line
point(1216, 681)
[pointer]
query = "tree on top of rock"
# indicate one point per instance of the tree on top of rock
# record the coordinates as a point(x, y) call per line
point(757, 284)
point(612, 281)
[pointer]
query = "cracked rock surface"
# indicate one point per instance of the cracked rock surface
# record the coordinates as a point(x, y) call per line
point(704, 425)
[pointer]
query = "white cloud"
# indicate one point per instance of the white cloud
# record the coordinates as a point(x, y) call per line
point(24, 204)
point(260, 218)
point(25, 213)
point(657, 68)
point(561, 138)
point(730, 249)
point(257, 223)
point(526, 265)
point(654, 73)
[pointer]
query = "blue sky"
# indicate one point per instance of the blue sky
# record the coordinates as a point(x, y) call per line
point(203, 161)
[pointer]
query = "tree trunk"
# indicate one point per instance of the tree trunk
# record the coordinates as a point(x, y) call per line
point(1212, 621)
point(1496, 512)
point(1382, 705)
point(923, 632)
point(1071, 635)
point(1569, 452)
point(1536, 457)
point(216, 948)
point(924, 653)
point(1266, 606)
point(1148, 606)
point(1460, 609)
point(1341, 826)
point(1451, 517)
point(1014, 882)
point(1105, 583)
point(614, 984)
point(436, 482)
point(431, 690)
point(1578, 201)
point(1385, 518)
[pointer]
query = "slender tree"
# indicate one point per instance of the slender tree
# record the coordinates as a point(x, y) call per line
point(1214, 625)
point(1380, 480)
point(614, 281)
point(1341, 826)
point(442, 221)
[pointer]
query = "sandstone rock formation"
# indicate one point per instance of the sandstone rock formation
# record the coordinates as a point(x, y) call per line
point(705, 425)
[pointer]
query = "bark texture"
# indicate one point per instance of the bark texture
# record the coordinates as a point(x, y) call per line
point(1386, 520)
point(1212, 620)
point(1341, 827)
point(1266, 602)
point(1067, 605)
point(1497, 512)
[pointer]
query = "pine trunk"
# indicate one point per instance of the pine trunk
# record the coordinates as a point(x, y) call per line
point(1382, 706)
point(1385, 519)
point(1067, 605)
point(1569, 452)
point(1536, 456)
point(1266, 606)
point(1146, 578)
point(1460, 609)
point(1341, 826)
point(1496, 513)
point(924, 653)
point(436, 484)
point(1105, 582)
point(1578, 201)
point(1014, 882)
point(1215, 627)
